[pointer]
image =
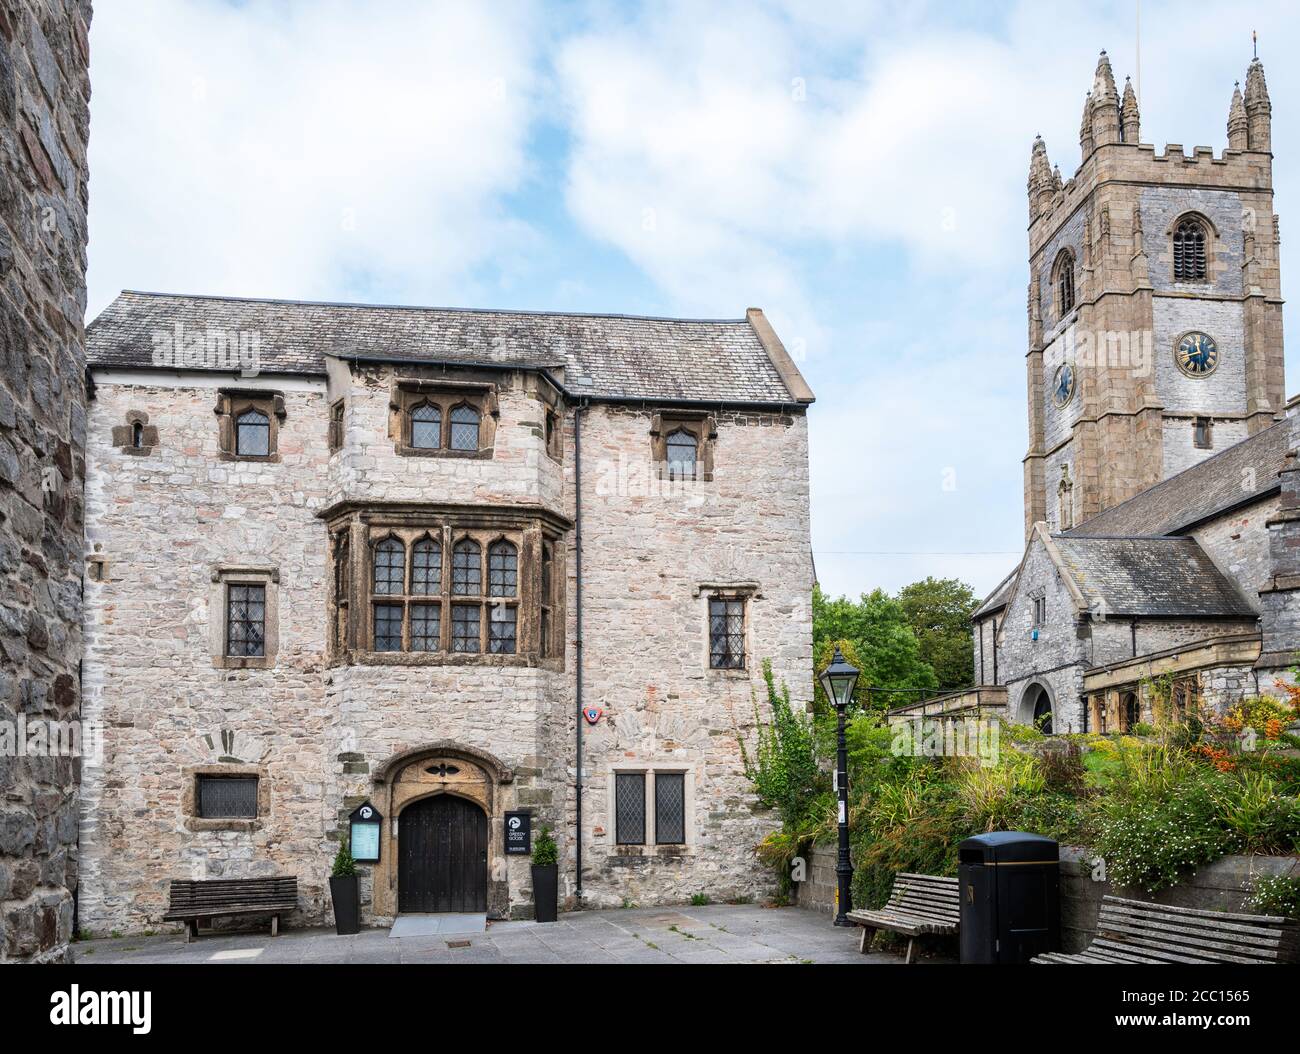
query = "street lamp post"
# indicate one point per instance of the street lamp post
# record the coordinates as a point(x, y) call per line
point(838, 681)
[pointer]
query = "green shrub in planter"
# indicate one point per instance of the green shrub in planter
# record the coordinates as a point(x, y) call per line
point(546, 879)
point(344, 891)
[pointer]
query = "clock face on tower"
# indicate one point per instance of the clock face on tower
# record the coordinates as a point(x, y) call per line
point(1196, 354)
point(1063, 384)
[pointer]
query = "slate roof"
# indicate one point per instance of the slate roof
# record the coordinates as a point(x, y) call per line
point(996, 600)
point(605, 356)
point(1152, 577)
point(1199, 492)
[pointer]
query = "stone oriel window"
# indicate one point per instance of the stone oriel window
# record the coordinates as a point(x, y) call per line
point(681, 444)
point(408, 587)
point(1189, 238)
point(244, 617)
point(136, 436)
point(342, 587)
point(249, 424)
point(726, 632)
point(443, 419)
point(1063, 282)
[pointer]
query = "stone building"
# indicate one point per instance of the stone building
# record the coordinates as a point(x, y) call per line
point(44, 126)
point(343, 554)
point(1161, 509)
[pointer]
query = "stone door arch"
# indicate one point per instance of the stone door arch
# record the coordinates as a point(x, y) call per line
point(449, 770)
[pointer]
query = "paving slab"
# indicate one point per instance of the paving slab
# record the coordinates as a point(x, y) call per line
point(704, 934)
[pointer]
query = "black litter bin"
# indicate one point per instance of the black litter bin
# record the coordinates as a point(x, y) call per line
point(1010, 897)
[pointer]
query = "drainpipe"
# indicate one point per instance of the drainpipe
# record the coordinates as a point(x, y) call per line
point(577, 643)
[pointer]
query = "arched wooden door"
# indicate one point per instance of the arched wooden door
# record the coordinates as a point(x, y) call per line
point(442, 856)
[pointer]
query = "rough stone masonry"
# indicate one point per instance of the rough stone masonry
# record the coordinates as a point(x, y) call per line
point(44, 126)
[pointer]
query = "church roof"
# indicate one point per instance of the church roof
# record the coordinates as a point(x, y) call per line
point(1244, 472)
point(601, 356)
point(996, 600)
point(1164, 577)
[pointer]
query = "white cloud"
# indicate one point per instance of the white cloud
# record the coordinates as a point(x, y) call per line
point(288, 151)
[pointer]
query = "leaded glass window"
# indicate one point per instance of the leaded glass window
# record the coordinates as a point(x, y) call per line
point(670, 808)
point(503, 570)
point(426, 567)
point(501, 629)
point(388, 627)
point(252, 434)
point(1189, 251)
point(245, 620)
point(390, 567)
point(681, 449)
point(426, 627)
point(227, 797)
point(726, 633)
point(629, 808)
point(464, 428)
point(426, 427)
point(467, 569)
point(465, 628)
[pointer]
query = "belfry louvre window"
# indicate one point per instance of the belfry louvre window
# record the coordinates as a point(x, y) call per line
point(1189, 251)
point(1064, 284)
point(726, 633)
point(227, 797)
point(245, 620)
point(629, 808)
point(670, 808)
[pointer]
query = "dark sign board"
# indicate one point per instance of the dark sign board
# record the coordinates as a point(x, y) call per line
point(365, 822)
point(519, 833)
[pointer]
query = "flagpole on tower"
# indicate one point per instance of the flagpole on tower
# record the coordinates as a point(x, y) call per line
point(1138, 34)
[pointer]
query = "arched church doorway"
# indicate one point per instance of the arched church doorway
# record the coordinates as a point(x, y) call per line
point(1038, 708)
point(442, 855)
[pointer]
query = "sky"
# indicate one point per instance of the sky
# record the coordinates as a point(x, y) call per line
point(857, 170)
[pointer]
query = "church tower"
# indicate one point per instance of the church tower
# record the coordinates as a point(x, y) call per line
point(1155, 310)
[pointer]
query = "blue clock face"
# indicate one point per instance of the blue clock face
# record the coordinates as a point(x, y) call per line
point(1063, 384)
point(1196, 354)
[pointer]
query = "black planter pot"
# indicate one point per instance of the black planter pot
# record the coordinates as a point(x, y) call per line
point(347, 904)
point(546, 890)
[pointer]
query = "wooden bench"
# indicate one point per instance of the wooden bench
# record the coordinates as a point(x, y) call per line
point(1135, 931)
point(194, 901)
point(919, 906)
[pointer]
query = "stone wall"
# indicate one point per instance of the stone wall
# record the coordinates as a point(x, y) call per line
point(1221, 886)
point(321, 732)
point(44, 127)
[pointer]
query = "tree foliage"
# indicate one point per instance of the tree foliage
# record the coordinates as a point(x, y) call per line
point(875, 636)
point(938, 610)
